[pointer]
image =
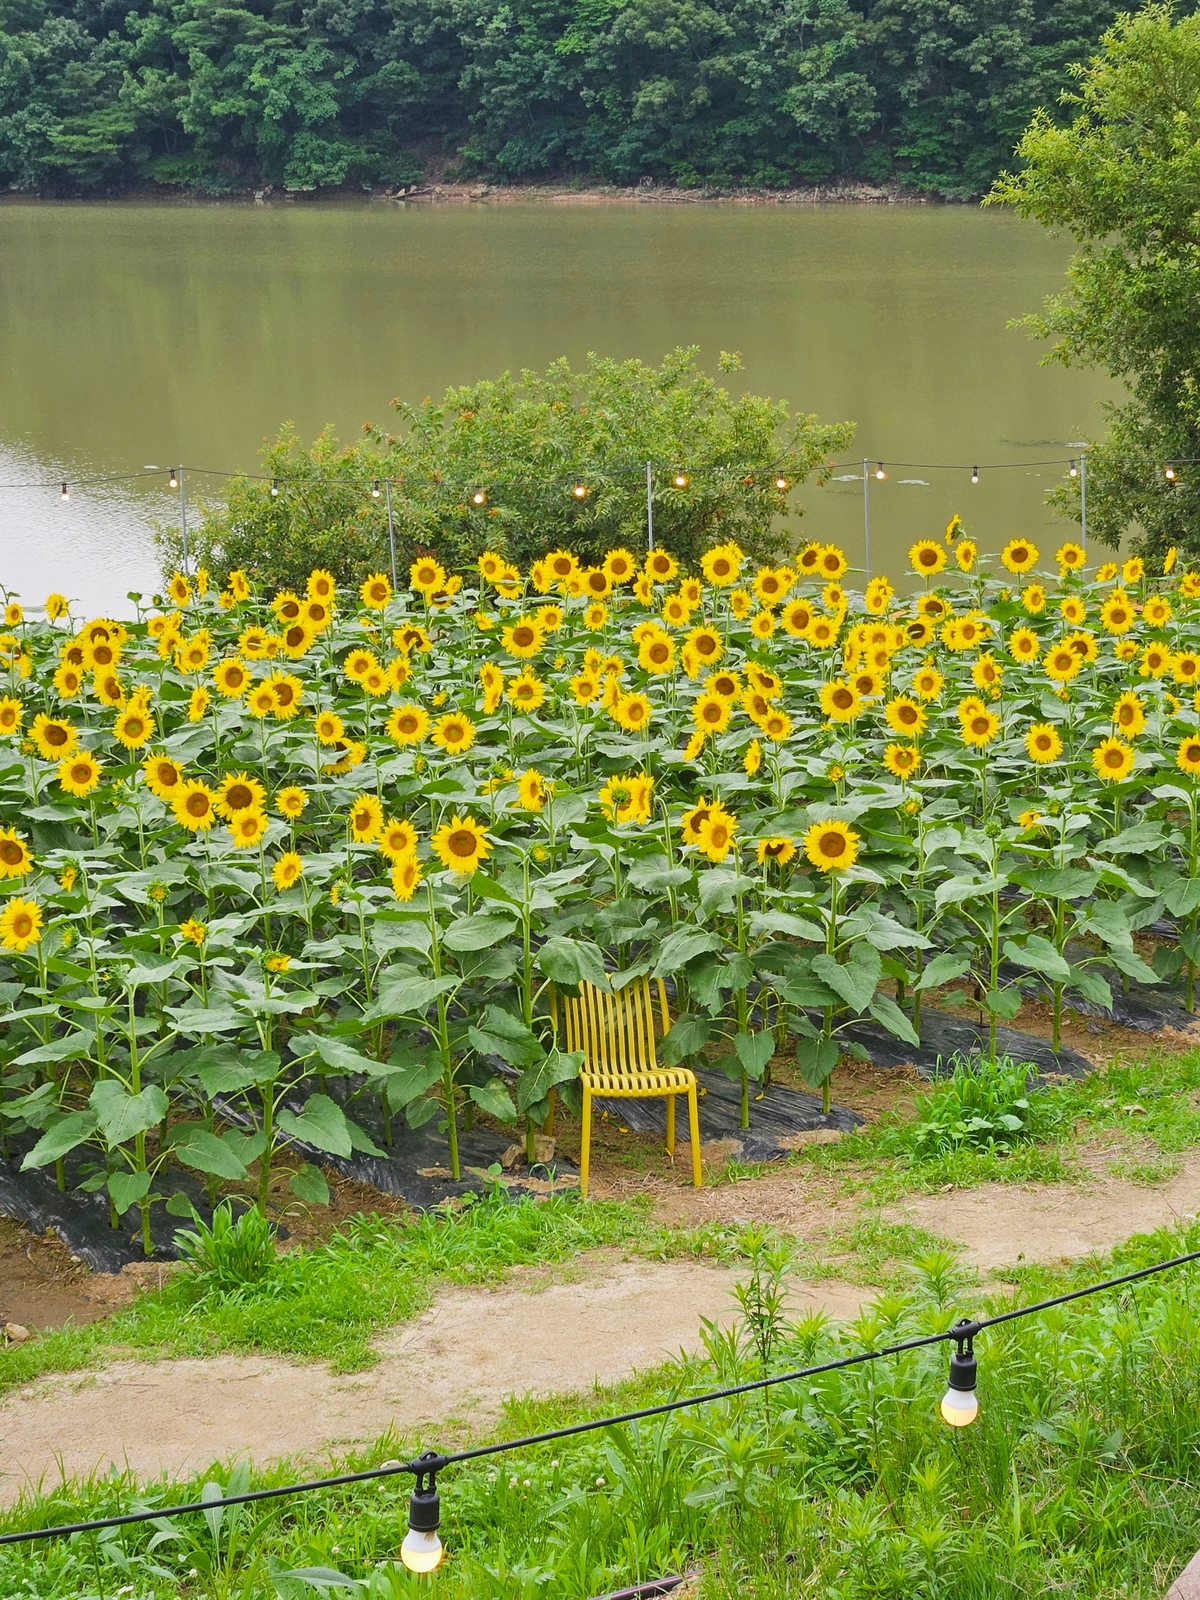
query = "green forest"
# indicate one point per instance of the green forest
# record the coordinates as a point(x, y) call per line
point(100, 96)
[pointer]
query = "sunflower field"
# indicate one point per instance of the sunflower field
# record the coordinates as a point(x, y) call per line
point(273, 861)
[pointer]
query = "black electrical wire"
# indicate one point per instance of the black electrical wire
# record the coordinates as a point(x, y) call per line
point(437, 1463)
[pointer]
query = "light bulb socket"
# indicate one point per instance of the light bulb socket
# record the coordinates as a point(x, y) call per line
point(964, 1370)
point(425, 1509)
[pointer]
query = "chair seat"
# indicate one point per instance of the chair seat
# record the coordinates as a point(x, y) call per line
point(637, 1085)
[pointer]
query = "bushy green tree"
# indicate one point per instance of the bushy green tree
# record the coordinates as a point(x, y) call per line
point(525, 443)
point(1124, 179)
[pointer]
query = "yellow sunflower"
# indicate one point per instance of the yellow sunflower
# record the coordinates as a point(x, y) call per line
point(366, 819)
point(1129, 714)
point(12, 712)
point(527, 691)
point(779, 848)
point(1113, 760)
point(247, 828)
point(1070, 557)
point(980, 728)
point(1187, 757)
point(321, 585)
point(1117, 613)
point(231, 678)
point(239, 792)
point(928, 558)
point(462, 845)
point(194, 805)
point(1061, 663)
point(408, 724)
point(532, 790)
point(656, 653)
point(777, 726)
point(523, 638)
point(902, 760)
point(928, 683)
point(454, 733)
point(290, 802)
point(711, 713)
point(328, 727)
point(832, 846)
point(52, 737)
point(1043, 743)
point(1156, 661)
point(375, 591)
point(163, 776)
point(620, 566)
point(20, 924)
point(1185, 668)
point(905, 716)
point(632, 711)
point(752, 760)
point(839, 701)
point(16, 858)
point(134, 726)
point(1019, 555)
point(406, 877)
point(722, 564)
point(260, 702)
point(1024, 645)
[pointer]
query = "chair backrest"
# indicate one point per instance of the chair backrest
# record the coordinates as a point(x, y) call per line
point(615, 1030)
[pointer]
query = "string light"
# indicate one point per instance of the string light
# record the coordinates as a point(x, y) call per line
point(274, 485)
point(580, 491)
point(880, 473)
point(376, 491)
point(680, 480)
point(974, 474)
point(173, 480)
point(421, 1550)
point(1074, 470)
point(66, 493)
point(781, 483)
point(1170, 474)
point(959, 1405)
point(479, 498)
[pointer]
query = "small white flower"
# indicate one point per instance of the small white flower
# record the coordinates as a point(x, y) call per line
point(599, 1483)
point(554, 1466)
point(527, 1484)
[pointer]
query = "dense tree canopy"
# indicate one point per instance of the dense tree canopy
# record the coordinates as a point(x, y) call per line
point(495, 465)
point(1124, 179)
point(97, 94)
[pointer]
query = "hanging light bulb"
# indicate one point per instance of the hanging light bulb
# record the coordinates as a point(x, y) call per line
point(421, 1550)
point(974, 474)
point(880, 473)
point(479, 498)
point(66, 493)
point(781, 483)
point(959, 1405)
point(580, 491)
point(274, 485)
point(680, 480)
point(376, 491)
point(173, 480)
point(1073, 470)
point(1170, 474)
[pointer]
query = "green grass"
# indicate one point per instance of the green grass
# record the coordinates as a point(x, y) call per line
point(1079, 1479)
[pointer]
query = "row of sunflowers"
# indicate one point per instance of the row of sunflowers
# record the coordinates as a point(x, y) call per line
point(290, 866)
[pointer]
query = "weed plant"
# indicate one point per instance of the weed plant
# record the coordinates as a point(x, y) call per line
point(1078, 1479)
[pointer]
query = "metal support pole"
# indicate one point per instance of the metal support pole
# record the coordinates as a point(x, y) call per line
point(866, 520)
point(649, 511)
point(183, 521)
point(1083, 496)
point(387, 490)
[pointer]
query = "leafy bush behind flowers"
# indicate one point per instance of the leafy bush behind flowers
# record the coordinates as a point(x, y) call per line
point(288, 866)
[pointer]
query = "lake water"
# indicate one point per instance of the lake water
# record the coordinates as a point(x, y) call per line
point(135, 335)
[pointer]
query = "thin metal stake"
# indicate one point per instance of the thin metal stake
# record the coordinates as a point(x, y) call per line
point(649, 511)
point(866, 520)
point(387, 489)
point(183, 521)
point(1083, 495)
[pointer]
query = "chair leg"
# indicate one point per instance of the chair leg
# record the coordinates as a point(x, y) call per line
point(585, 1146)
point(694, 1124)
point(670, 1124)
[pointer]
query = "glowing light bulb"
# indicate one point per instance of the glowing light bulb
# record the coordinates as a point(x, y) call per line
point(1074, 470)
point(680, 480)
point(1170, 474)
point(959, 1406)
point(274, 485)
point(580, 491)
point(173, 480)
point(66, 493)
point(880, 473)
point(479, 498)
point(376, 491)
point(421, 1551)
point(781, 483)
point(974, 474)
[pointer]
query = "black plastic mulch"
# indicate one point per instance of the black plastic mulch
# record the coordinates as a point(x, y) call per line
point(944, 1036)
point(1141, 1006)
point(776, 1115)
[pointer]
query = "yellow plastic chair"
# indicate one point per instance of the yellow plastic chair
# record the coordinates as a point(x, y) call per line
point(616, 1034)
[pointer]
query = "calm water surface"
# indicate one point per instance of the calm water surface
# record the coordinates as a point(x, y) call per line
point(133, 335)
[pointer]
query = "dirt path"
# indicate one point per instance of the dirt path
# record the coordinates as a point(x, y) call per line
point(995, 1225)
point(451, 1369)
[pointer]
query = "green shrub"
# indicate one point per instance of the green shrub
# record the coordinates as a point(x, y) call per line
point(231, 1254)
point(981, 1104)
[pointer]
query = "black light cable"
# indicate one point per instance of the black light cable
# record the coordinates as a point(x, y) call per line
point(424, 1505)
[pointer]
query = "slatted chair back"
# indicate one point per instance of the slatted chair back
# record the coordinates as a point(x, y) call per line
point(616, 1031)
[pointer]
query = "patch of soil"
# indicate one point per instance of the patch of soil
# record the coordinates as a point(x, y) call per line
point(447, 1372)
point(42, 1285)
point(999, 1224)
